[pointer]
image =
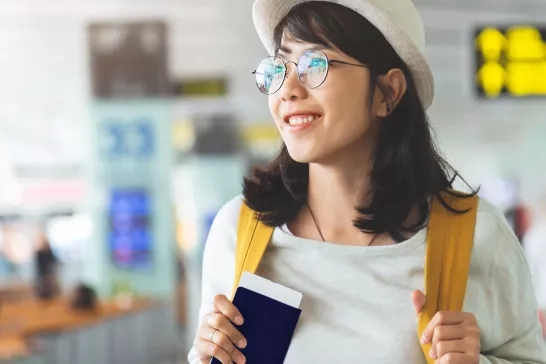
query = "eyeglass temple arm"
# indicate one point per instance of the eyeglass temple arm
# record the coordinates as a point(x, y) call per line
point(347, 63)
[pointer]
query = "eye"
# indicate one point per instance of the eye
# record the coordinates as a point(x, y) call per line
point(279, 69)
point(318, 64)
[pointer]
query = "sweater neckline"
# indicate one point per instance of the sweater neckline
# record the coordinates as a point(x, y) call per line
point(283, 237)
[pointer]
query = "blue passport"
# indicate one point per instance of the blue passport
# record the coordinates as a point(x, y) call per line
point(268, 327)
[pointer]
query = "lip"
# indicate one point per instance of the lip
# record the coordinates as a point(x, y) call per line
point(300, 127)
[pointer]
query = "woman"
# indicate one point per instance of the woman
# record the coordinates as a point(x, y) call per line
point(349, 196)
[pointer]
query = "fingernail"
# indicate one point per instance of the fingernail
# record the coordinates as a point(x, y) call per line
point(423, 339)
point(241, 344)
point(239, 320)
point(432, 354)
point(241, 359)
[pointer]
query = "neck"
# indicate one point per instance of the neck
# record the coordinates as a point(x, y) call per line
point(334, 192)
point(336, 187)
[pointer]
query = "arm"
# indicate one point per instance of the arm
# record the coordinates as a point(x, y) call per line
point(515, 335)
point(526, 347)
point(218, 261)
point(535, 249)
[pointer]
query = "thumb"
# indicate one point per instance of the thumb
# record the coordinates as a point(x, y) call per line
point(419, 300)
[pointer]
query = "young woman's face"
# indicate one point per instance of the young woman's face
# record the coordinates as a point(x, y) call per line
point(321, 125)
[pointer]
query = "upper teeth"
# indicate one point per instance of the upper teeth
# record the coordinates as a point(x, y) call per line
point(301, 119)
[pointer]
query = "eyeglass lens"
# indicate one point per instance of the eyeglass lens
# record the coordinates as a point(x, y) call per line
point(311, 68)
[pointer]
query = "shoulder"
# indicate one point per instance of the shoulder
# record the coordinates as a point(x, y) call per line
point(223, 232)
point(495, 244)
point(228, 215)
point(492, 228)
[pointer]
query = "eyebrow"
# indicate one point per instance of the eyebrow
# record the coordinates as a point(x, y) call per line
point(284, 50)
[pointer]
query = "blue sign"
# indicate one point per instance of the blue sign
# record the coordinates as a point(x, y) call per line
point(133, 139)
point(130, 236)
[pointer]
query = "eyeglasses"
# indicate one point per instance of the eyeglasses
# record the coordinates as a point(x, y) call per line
point(312, 70)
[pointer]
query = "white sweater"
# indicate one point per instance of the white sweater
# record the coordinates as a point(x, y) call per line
point(357, 305)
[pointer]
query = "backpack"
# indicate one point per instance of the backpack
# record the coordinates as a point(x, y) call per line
point(448, 250)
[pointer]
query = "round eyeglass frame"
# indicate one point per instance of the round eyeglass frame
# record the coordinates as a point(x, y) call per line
point(286, 73)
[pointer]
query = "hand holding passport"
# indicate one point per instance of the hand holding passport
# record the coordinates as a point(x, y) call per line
point(271, 313)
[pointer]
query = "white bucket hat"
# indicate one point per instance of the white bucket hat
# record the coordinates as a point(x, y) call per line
point(398, 20)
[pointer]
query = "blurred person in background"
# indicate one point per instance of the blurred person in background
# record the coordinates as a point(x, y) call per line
point(349, 197)
point(519, 218)
point(47, 264)
point(535, 248)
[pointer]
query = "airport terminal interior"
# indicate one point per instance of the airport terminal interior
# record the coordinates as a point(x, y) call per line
point(125, 125)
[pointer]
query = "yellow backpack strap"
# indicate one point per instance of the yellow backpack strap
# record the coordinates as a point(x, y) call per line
point(449, 248)
point(253, 236)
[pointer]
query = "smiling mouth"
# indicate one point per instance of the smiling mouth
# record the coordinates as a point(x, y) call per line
point(301, 119)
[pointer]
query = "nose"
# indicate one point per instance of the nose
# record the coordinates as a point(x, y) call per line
point(292, 89)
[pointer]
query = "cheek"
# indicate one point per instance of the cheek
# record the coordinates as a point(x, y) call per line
point(273, 103)
point(347, 94)
point(349, 106)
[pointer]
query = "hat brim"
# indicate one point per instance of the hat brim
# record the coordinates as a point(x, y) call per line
point(267, 14)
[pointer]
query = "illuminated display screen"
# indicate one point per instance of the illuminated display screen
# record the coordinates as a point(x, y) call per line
point(511, 61)
point(129, 229)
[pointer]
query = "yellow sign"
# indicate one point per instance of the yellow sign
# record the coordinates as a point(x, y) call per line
point(206, 87)
point(511, 61)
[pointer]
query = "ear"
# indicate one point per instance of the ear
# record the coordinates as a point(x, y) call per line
point(392, 86)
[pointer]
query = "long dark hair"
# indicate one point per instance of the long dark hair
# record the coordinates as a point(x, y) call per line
point(407, 167)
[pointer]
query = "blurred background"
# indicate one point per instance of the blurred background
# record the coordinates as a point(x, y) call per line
point(126, 125)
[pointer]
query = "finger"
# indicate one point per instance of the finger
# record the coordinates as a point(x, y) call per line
point(224, 306)
point(221, 339)
point(419, 300)
point(446, 347)
point(445, 333)
point(441, 318)
point(222, 324)
point(210, 350)
point(456, 358)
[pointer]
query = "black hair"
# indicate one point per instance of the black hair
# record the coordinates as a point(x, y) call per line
point(407, 168)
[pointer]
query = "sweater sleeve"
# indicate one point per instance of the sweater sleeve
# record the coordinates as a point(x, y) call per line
point(515, 335)
point(218, 261)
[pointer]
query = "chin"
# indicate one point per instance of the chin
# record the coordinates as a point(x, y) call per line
point(302, 159)
point(303, 156)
